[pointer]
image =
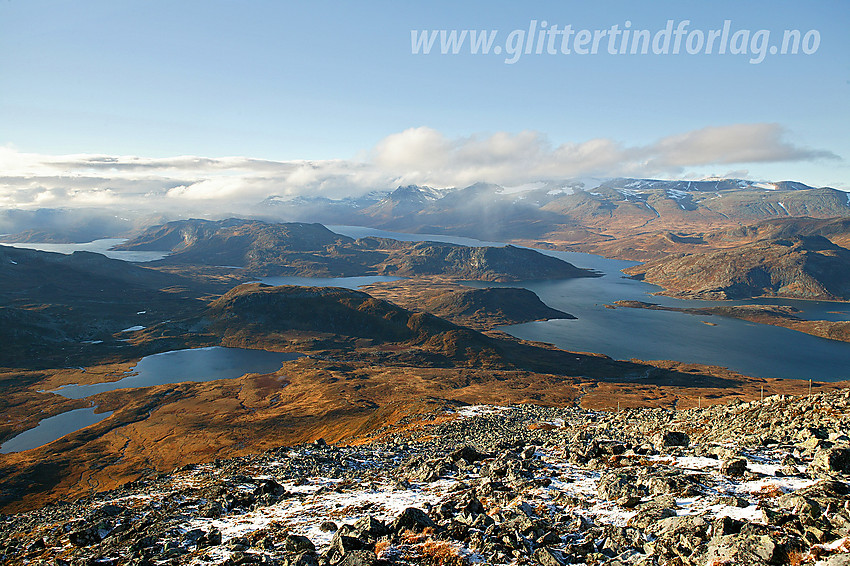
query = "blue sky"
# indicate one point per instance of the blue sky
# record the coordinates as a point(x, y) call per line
point(322, 80)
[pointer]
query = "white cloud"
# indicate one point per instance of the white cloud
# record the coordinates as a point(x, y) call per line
point(416, 155)
point(737, 143)
point(423, 155)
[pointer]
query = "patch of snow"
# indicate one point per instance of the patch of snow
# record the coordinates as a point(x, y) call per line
point(630, 193)
point(838, 544)
point(13, 262)
point(557, 423)
point(305, 513)
point(748, 489)
point(677, 194)
point(92, 342)
point(610, 513)
point(685, 505)
point(141, 312)
point(783, 208)
point(133, 329)
point(476, 410)
point(587, 183)
point(764, 469)
point(751, 513)
point(689, 462)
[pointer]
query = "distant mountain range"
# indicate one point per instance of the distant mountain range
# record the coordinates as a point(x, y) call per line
point(585, 211)
point(573, 210)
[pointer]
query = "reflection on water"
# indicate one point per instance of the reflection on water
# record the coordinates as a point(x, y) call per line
point(754, 349)
point(53, 428)
point(345, 282)
point(362, 232)
point(198, 364)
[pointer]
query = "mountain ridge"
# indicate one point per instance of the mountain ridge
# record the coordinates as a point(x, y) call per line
point(312, 250)
point(803, 267)
point(577, 211)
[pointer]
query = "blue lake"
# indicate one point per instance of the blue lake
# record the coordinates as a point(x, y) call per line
point(197, 364)
point(754, 349)
point(53, 428)
point(346, 282)
point(363, 232)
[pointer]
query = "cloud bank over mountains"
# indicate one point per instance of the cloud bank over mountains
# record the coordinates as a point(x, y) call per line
point(414, 156)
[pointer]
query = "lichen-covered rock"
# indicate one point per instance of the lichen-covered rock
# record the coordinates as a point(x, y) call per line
point(834, 460)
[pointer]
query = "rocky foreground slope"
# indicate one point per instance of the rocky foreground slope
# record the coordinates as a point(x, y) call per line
point(764, 482)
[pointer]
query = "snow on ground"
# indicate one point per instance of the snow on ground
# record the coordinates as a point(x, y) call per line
point(314, 501)
point(133, 329)
point(324, 499)
point(321, 499)
point(630, 192)
point(677, 194)
point(766, 186)
point(476, 410)
point(687, 462)
point(837, 544)
point(783, 208)
point(561, 191)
